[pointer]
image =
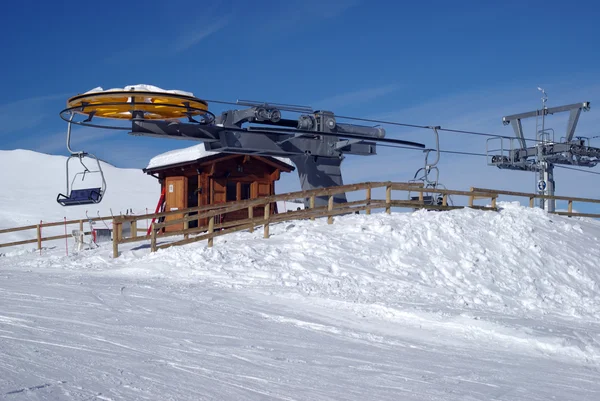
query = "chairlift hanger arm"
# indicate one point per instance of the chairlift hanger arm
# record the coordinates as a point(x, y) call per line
point(574, 113)
point(550, 110)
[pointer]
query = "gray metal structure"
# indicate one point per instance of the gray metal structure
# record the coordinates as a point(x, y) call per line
point(514, 154)
point(315, 142)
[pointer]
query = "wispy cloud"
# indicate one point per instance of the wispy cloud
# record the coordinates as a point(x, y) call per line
point(81, 138)
point(175, 44)
point(332, 9)
point(355, 97)
point(293, 15)
point(190, 39)
point(26, 113)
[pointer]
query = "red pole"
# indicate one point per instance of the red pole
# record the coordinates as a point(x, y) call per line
point(66, 240)
point(40, 236)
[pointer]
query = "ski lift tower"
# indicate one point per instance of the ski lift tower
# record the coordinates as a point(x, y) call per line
point(514, 154)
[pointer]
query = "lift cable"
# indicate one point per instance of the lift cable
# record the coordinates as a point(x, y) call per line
point(456, 152)
point(577, 169)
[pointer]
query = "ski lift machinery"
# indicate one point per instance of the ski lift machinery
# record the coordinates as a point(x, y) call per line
point(314, 141)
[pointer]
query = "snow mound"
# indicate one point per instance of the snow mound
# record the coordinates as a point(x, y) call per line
point(517, 261)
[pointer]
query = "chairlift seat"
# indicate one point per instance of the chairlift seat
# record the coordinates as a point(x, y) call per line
point(427, 199)
point(84, 196)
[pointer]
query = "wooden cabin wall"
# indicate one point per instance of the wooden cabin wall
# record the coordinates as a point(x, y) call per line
point(212, 178)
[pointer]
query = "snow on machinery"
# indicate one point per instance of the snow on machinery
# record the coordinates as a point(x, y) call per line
point(314, 141)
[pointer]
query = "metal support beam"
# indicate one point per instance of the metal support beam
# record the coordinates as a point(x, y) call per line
point(518, 128)
point(319, 172)
point(572, 124)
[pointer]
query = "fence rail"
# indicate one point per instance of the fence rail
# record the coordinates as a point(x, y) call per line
point(216, 226)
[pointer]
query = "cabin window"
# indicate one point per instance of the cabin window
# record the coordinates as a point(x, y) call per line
point(231, 191)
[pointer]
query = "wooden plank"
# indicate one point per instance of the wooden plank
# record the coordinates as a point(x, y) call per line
point(52, 224)
point(593, 215)
point(537, 196)
point(29, 241)
point(15, 229)
point(203, 237)
point(368, 200)
point(329, 209)
point(54, 237)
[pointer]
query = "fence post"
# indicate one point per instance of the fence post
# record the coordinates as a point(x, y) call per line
point(312, 206)
point(266, 233)
point(186, 225)
point(133, 228)
point(494, 202)
point(531, 201)
point(81, 225)
point(570, 207)
point(211, 229)
point(251, 217)
point(445, 200)
point(116, 238)
point(388, 199)
point(368, 200)
point(329, 209)
point(153, 238)
point(39, 236)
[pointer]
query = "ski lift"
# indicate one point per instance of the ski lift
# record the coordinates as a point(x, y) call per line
point(430, 197)
point(86, 194)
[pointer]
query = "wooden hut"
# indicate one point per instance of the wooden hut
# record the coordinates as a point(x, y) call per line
point(195, 177)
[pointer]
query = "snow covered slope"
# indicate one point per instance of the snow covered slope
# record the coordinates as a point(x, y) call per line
point(453, 305)
point(460, 305)
point(30, 182)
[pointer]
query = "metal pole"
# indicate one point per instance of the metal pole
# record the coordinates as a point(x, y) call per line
point(549, 179)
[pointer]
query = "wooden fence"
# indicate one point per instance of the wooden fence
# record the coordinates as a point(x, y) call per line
point(215, 227)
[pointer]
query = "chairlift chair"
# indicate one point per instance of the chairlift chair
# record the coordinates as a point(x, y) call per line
point(86, 195)
point(430, 197)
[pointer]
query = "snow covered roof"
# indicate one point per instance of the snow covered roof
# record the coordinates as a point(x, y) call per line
point(192, 153)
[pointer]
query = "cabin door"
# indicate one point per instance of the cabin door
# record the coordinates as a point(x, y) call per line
point(218, 191)
point(176, 199)
point(218, 194)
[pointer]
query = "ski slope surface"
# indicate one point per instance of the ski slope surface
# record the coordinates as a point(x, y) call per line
point(460, 305)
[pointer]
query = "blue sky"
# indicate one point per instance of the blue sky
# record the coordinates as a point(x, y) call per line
point(460, 64)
